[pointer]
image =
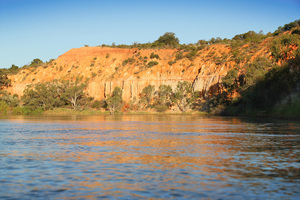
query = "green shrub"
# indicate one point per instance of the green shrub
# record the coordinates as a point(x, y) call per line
point(171, 62)
point(179, 55)
point(4, 80)
point(152, 63)
point(17, 110)
point(25, 110)
point(98, 104)
point(129, 60)
point(230, 79)
point(282, 46)
point(296, 31)
point(154, 56)
point(161, 108)
point(192, 55)
point(4, 108)
point(14, 69)
point(290, 110)
point(256, 70)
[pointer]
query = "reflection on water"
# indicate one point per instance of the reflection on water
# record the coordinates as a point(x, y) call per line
point(148, 156)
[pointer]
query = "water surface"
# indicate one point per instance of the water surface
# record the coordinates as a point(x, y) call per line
point(148, 157)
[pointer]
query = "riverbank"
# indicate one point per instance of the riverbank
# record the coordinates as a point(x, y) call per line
point(285, 112)
point(67, 111)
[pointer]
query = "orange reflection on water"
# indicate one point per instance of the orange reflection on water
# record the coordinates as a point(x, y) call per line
point(110, 155)
point(155, 149)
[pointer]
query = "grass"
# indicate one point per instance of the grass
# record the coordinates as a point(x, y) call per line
point(164, 113)
point(288, 110)
point(68, 111)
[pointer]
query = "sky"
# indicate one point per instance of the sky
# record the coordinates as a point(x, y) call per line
point(46, 29)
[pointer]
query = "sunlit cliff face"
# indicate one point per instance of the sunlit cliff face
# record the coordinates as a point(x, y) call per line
point(106, 68)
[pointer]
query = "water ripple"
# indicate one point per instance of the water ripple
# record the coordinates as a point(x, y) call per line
point(144, 157)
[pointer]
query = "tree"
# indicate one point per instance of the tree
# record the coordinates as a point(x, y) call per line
point(42, 95)
point(168, 39)
point(55, 94)
point(114, 102)
point(183, 96)
point(147, 95)
point(287, 27)
point(4, 80)
point(4, 108)
point(163, 98)
point(73, 91)
point(256, 70)
point(164, 94)
point(250, 36)
point(11, 100)
point(202, 42)
point(36, 62)
point(230, 80)
point(192, 55)
point(14, 69)
point(284, 46)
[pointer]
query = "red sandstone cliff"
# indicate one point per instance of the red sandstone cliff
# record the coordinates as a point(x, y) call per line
point(105, 69)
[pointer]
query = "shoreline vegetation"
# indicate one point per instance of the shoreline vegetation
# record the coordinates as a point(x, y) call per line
point(281, 113)
point(66, 111)
point(268, 86)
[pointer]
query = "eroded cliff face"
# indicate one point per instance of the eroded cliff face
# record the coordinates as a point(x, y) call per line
point(106, 68)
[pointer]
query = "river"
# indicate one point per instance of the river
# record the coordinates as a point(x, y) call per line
point(148, 157)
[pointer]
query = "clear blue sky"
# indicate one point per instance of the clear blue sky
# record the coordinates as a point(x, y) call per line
point(45, 29)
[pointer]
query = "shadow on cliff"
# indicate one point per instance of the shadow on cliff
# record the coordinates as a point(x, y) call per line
point(276, 94)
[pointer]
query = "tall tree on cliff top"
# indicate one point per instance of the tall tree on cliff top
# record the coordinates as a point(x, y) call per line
point(168, 39)
point(36, 62)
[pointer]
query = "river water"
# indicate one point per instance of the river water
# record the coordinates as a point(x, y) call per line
point(148, 157)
